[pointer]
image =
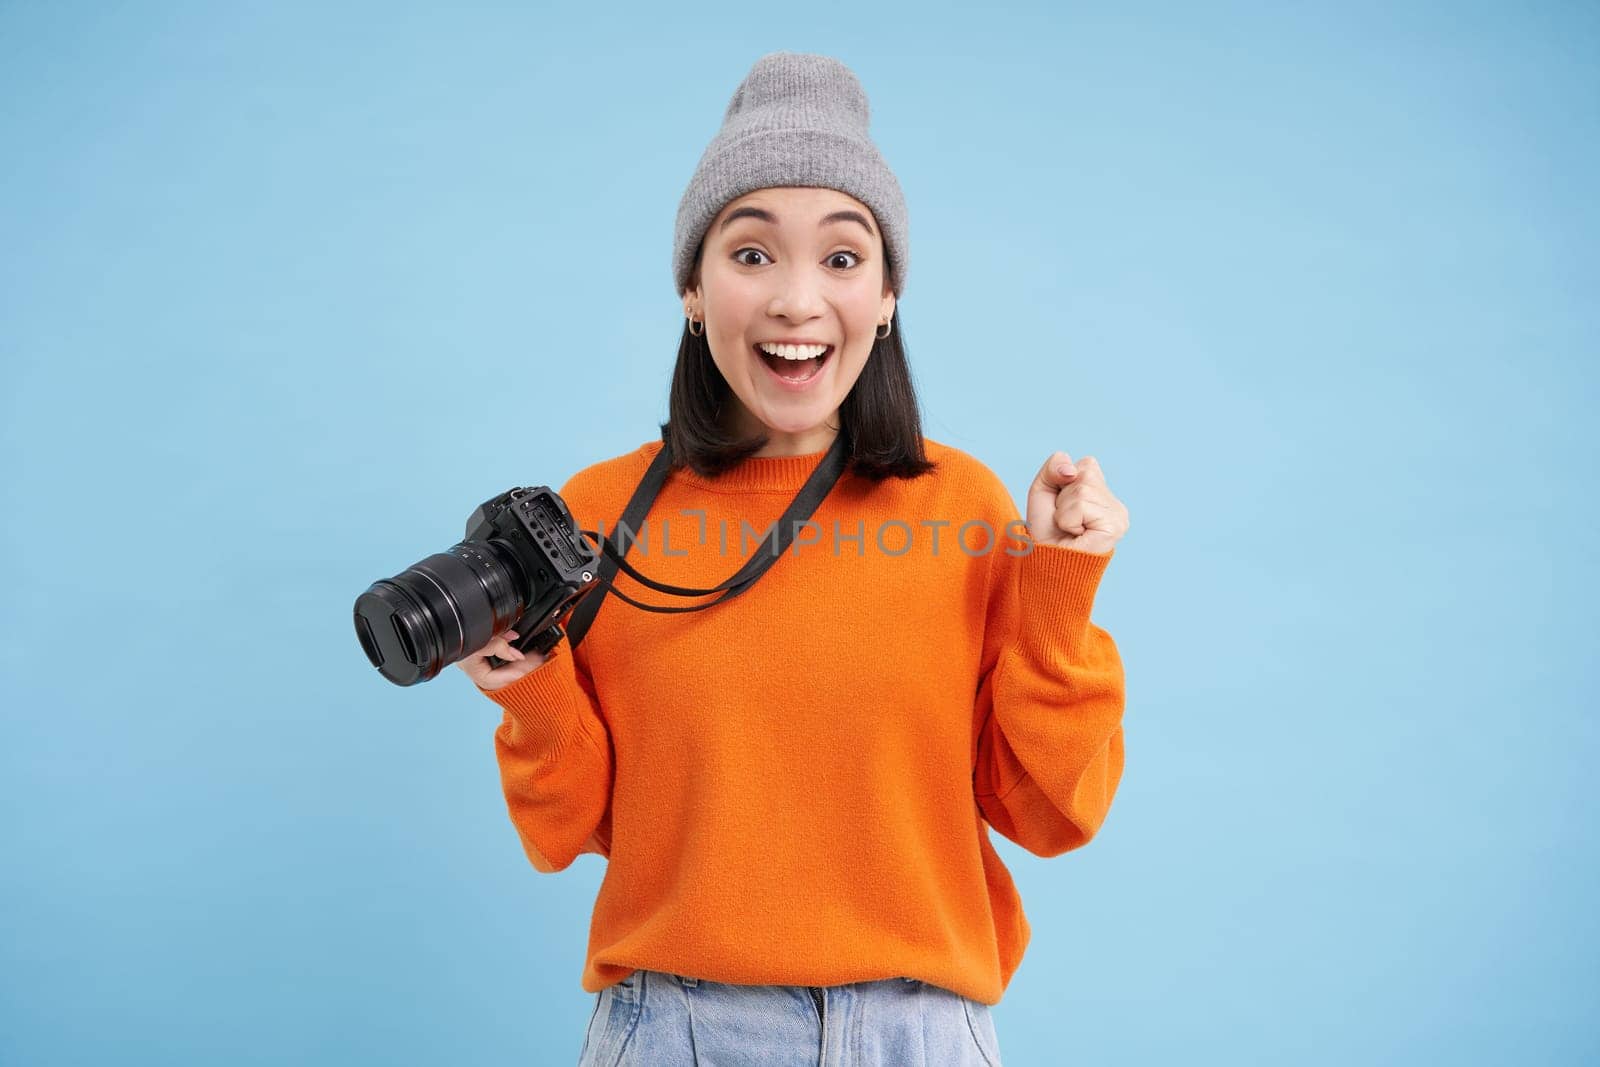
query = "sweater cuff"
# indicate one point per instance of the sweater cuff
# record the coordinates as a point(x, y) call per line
point(1056, 588)
point(547, 703)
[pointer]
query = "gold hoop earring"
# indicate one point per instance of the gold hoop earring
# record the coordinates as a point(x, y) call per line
point(886, 333)
point(692, 332)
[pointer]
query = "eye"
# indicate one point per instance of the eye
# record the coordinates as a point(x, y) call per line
point(739, 257)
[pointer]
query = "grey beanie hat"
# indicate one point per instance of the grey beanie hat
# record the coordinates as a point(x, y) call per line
point(796, 119)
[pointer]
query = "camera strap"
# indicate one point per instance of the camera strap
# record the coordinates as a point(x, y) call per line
point(805, 503)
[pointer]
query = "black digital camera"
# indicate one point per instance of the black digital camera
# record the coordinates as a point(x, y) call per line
point(523, 565)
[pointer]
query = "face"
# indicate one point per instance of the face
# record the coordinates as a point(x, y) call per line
point(791, 265)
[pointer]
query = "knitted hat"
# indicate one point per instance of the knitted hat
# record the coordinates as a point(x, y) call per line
point(796, 119)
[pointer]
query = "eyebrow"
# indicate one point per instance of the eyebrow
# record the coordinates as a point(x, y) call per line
point(846, 215)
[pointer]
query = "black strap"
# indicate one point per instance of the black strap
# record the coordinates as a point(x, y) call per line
point(805, 503)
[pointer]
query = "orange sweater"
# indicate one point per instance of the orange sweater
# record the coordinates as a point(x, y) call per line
point(796, 787)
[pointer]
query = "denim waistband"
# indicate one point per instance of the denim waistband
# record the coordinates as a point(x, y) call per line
point(686, 980)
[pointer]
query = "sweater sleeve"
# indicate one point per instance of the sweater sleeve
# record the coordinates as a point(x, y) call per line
point(1050, 696)
point(555, 757)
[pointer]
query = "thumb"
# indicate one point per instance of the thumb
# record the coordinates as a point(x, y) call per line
point(1058, 471)
point(1040, 506)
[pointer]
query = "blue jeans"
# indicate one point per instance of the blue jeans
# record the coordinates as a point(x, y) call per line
point(657, 1019)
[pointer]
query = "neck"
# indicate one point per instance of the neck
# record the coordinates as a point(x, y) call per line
point(806, 442)
point(803, 443)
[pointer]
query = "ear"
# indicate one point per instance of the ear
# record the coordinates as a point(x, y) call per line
point(886, 309)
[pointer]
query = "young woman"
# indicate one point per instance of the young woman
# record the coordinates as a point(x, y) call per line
point(794, 788)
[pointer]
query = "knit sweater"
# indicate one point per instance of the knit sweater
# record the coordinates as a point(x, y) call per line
point(796, 787)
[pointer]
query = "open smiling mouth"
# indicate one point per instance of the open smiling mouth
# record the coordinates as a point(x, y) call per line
point(796, 370)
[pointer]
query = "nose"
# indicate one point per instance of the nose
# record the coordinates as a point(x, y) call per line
point(797, 295)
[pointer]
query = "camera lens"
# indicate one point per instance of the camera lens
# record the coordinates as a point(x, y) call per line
point(439, 609)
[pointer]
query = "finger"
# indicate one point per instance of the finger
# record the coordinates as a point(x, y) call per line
point(1077, 512)
point(1069, 515)
point(1058, 470)
point(506, 650)
point(1099, 496)
point(498, 647)
point(1089, 471)
point(510, 672)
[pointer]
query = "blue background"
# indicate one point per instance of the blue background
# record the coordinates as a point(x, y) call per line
point(286, 291)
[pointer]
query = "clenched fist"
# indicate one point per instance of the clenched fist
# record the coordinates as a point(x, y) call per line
point(1070, 506)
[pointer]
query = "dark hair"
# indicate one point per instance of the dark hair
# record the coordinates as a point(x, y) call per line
point(879, 416)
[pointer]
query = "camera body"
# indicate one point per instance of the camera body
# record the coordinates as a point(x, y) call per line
point(523, 565)
point(535, 523)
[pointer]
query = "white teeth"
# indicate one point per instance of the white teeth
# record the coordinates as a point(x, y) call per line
point(794, 351)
